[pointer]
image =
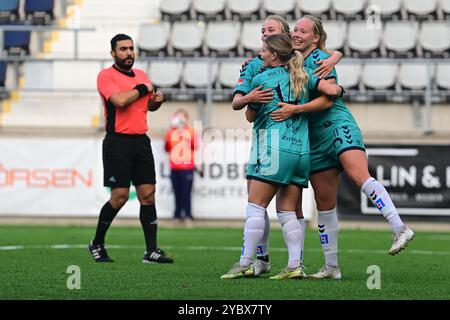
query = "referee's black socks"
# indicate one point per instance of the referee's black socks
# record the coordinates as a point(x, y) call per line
point(147, 215)
point(107, 215)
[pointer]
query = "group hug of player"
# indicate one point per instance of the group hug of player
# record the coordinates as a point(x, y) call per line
point(302, 132)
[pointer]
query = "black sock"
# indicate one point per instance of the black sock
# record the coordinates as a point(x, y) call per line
point(107, 215)
point(263, 258)
point(147, 215)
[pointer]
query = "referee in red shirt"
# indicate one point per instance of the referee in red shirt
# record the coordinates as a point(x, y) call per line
point(127, 94)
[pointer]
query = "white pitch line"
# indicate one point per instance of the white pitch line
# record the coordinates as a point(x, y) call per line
point(212, 248)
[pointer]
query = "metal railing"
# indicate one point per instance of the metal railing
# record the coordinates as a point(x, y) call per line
point(208, 94)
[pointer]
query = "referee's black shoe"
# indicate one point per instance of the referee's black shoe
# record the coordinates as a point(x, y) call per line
point(157, 256)
point(98, 252)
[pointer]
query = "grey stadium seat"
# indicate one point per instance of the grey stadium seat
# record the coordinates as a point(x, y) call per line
point(222, 38)
point(400, 38)
point(229, 74)
point(388, 9)
point(379, 76)
point(195, 74)
point(285, 8)
point(251, 37)
point(153, 39)
point(187, 38)
point(420, 9)
point(336, 34)
point(166, 74)
point(349, 9)
point(445, 7)
point(443, 76)
point(207, 10)
point(413, 76)
point(244, 10)
point(363, 41)
point(435, 39)
point(349, 75)
point(318, 8)
point(173, 10)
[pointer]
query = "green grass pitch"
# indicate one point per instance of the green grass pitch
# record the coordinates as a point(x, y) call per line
point(34, 261)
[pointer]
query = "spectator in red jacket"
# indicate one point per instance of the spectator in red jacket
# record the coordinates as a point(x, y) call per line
point(181, 142)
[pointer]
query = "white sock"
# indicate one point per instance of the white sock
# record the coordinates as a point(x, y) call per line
point(263, 247)
point(253, 232)
point(328, 233)
point(292, 233)
point(302, 240)
point(380, 198)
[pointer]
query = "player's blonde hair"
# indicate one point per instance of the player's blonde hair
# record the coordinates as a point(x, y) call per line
point(282, 46)
point(284, 25)
point(318, 30)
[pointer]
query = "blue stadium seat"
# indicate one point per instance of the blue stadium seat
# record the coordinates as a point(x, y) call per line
point(2, 73)
point(17, 42)
point(9, 10)
point(39, 11)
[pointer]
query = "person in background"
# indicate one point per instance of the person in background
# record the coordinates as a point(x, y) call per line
point(180, 143)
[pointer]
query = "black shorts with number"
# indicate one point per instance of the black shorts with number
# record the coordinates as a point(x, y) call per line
point(127, 158)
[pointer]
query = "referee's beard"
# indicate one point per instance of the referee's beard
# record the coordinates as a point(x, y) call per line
point(125, 64)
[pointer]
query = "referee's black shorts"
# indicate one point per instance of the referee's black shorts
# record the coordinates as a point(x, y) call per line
point(127, 158)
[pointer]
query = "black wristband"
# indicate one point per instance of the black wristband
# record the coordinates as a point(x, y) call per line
point(342, 92)
point(142, 88)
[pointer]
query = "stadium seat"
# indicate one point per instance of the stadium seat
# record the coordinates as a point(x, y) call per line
point(443, 76)
point(349, 9)
point(79, 75)
point(207, 10)
point(39, 11)
point(17, 42)
point(222, 38)
point(244, 10)
point(174, 10)
point(388, 9)
point(349, 75)
point(229, 74)
point(435, 39)
point(9, 10)
point(318, 8)
point(413, 76)
point(400, 38)
point(421, 9)
point(3, 66)
point(195, 74)
point(285, 8)
point(251, 37)
point(379, 76)
point(166, 74)
point(363, 41)
point(445, 7)
point(153, 39)
point(336, 34)
point(187, 38)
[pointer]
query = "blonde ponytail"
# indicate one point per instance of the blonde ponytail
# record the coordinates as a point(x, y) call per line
point(298, 75)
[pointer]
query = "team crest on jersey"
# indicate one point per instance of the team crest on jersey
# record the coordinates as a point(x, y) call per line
point(240, 81)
